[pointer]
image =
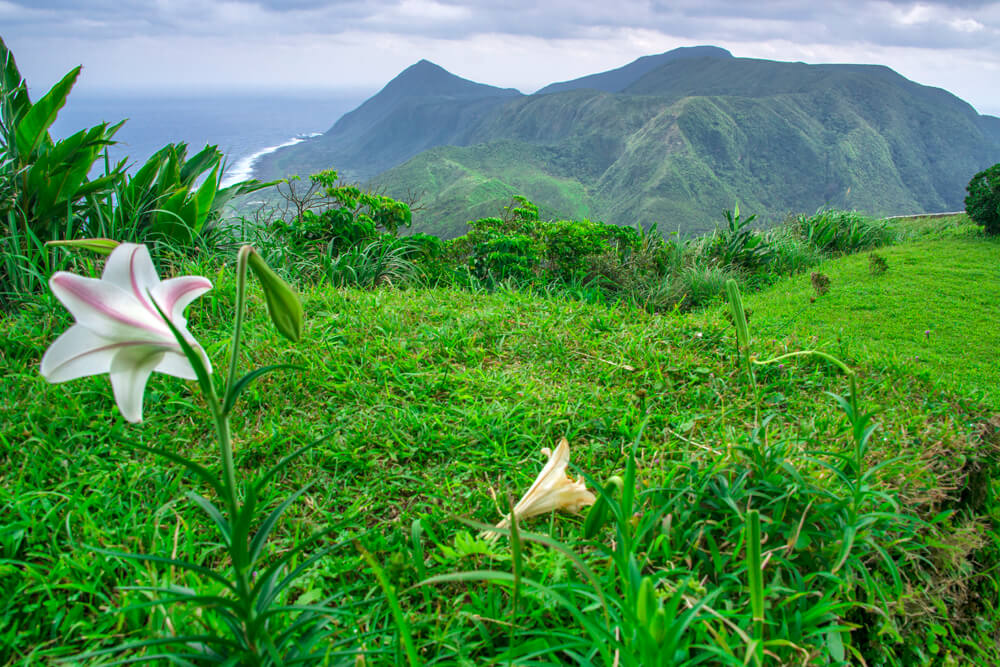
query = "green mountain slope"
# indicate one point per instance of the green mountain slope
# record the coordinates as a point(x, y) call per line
point(672, 139)
point(779, 137)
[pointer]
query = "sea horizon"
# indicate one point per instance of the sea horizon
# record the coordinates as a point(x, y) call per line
point(243, 124)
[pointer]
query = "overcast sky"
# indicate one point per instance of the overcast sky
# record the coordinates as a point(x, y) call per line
point(204, 44)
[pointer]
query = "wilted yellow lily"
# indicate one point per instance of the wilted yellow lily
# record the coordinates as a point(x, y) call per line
point(552, 490)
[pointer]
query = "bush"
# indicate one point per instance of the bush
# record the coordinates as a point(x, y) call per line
point(498, 256)
point(521, 247)
point(983, 202)
point(338, 232)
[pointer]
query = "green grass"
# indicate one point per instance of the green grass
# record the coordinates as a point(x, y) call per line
point(933, 313)
point(436, 403)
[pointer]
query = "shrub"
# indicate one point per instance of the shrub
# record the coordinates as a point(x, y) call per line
point(337, 228)
point(877, 264)
point(171, 198)
point(983, 202)
point(499, 256)
point(521, 247)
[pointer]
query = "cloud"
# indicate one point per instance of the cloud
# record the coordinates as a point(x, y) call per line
point(935, 23)
point(522, 43)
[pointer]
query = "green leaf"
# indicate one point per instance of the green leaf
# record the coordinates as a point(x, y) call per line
point(260, 538)
point(212, 511)
point(598, 513)
point(33, 129)
point(185, 565)
point(204, 473)
point(755, 581)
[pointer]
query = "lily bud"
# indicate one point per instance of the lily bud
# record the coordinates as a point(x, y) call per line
point(100, 246)
point(283, 303)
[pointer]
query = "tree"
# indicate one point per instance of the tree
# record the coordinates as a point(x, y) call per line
point(983, 202)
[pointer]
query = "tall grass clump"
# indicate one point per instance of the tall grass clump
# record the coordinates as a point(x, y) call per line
point(843, 232)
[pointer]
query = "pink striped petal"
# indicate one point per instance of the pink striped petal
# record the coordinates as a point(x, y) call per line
point(130, 370)
point(130, 267)
point(107, 310)
point(77, 353)
point(174, 295)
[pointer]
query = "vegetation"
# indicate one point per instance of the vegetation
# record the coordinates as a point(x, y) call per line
point(47, 192)
point(929, 341)
point(672, 139)
point(770, 487)
point(983, 202)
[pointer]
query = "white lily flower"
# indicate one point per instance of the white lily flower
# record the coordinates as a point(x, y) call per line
point(118, 330)
point(552, 490)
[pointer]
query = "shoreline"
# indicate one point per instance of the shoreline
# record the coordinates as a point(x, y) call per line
point(243, 169)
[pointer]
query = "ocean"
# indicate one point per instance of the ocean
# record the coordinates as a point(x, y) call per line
point(243, 125)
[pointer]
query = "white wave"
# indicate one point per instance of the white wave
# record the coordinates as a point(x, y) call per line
point(243, 169)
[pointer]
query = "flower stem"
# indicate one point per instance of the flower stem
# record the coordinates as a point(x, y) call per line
point(221, 413)
point(242, 260)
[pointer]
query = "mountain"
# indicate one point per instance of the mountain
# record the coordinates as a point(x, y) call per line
point(424, 106)
point(616, 80)
point(672, 139)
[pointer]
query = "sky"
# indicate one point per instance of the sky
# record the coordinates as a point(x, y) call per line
point(180, 46)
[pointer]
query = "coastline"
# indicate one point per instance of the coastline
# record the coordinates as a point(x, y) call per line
point(243, 169)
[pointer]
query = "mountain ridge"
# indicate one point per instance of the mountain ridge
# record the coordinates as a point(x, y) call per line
point(687, 134)
point(616, 80)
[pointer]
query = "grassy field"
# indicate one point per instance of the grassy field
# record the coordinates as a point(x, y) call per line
point(932, 313)
point(435, 404)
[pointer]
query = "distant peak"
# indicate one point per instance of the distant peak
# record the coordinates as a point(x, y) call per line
point(423, 63)
point(426, 79)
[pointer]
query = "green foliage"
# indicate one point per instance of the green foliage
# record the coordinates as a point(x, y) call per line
point(498, 256)
point(435, 398)
point(364, 208)
point(983, 202)
point(346, 236)
point(333, 218)
point(842, 232)
point(521, 247)
point(45, 184)
point(171, 198)
point(737, 244)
